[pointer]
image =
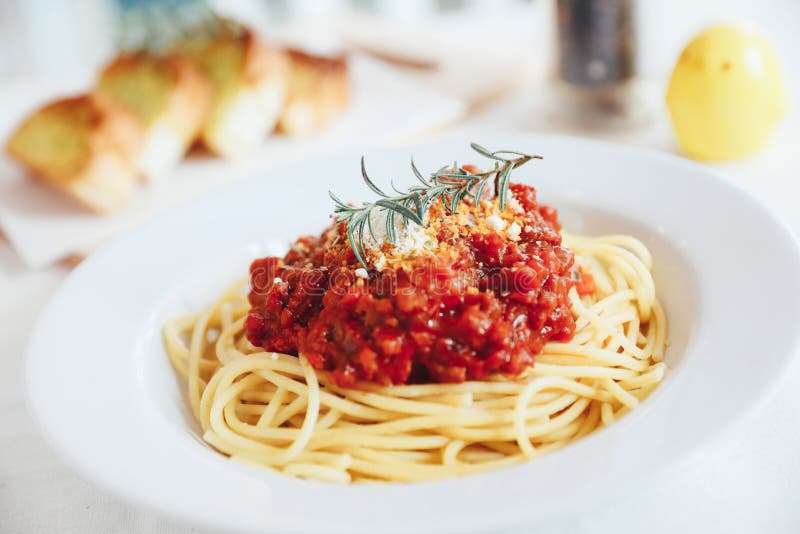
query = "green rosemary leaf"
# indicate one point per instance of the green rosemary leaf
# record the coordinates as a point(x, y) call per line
point(354, 243)
point(427, 201)
point(369, 226)
point(337, 201)
point(516, 153)
point(419, 174)
point(395, 189)
point(414, 201)
point(399, 208)
point(391, 230)
point(454, 177)
point(435, 175)
point(443, 198)
point(479, 192)
point(361, 223)
point(369, 183)
point(454, 202)
point(505, 179)
point(483, 152)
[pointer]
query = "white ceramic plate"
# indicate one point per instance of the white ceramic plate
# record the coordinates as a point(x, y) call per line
point(103, 390)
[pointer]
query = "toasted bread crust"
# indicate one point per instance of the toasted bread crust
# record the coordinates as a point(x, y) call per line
point(262, 60)
point(192, 101)
point(101, 171)
point(318, 89)
point(117, 128)
point(249, 83)
point(186, 106)
point(330, 64)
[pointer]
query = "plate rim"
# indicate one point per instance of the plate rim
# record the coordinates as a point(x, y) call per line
point(759, 398)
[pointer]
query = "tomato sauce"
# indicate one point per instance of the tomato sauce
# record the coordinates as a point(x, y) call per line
point(482, 301)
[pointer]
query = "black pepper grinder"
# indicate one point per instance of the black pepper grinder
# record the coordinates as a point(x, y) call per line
point(596, 61)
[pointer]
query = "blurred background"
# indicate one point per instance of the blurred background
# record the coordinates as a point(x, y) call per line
point(48, 39)
point(478, 51)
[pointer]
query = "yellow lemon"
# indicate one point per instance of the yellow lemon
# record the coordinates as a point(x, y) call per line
point(726, 93)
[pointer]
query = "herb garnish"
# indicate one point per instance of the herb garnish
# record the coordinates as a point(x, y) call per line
point(450, 185)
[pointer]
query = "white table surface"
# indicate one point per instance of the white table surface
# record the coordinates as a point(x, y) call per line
point(746, 481)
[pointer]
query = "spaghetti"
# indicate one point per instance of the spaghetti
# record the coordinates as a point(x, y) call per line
point(276, 411)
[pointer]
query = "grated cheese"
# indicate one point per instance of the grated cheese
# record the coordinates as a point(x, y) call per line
point(411, 238)
point(496, 223)
point(514, 204)
point(380, 262)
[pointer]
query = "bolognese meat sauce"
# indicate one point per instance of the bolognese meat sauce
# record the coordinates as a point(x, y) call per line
point(470, 294)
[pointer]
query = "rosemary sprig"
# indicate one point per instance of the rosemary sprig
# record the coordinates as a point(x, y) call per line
point(449, 185)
